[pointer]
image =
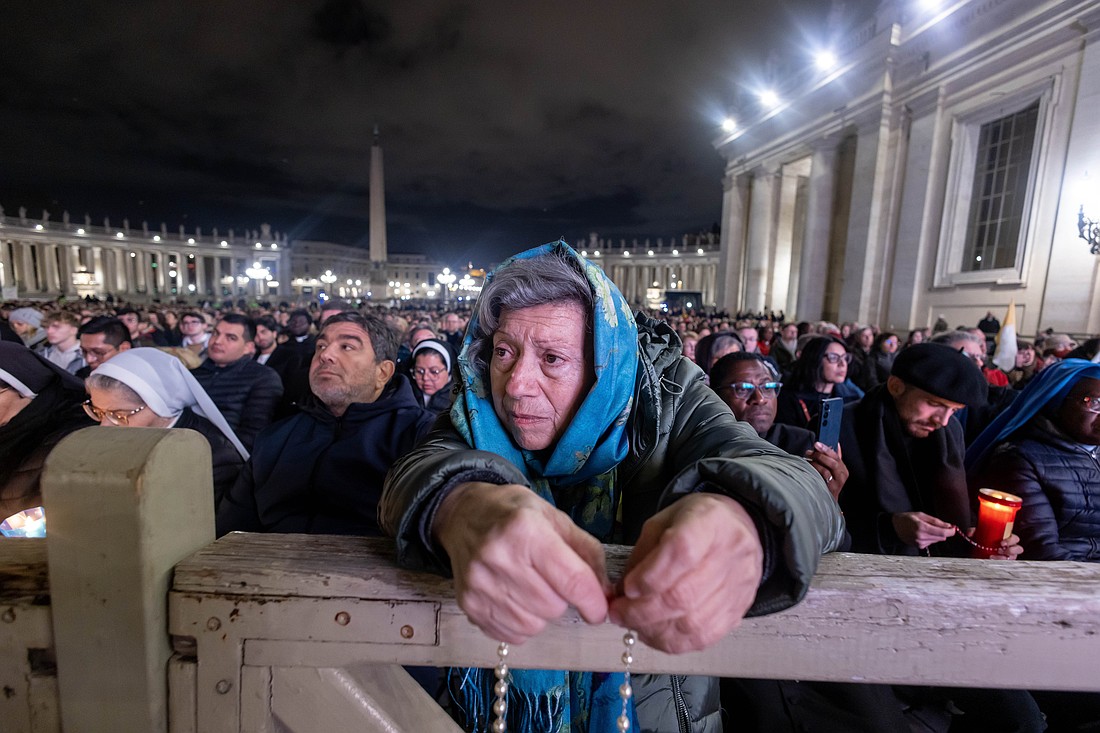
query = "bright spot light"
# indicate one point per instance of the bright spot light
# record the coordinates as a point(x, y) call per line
point(596, 253)
point(675, 253)
point(224, 243)
point(729, 124)
point(120, 235)
point(650, 253)
point(80, 231)
point(38, 227)
point(769, 99)
point(825, 60)
point(258, 245)
point(584, 253)
point(688, 304)
point(190, 240)
point(171, 273)
point(133, 254)
point(156, 237)
point(191, 288)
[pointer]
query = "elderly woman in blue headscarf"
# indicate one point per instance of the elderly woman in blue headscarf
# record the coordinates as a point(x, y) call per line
point(577, 423)
point(1045, 448)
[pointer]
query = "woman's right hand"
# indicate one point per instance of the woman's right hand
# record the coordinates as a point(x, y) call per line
point(519, 562)
point(921, 530)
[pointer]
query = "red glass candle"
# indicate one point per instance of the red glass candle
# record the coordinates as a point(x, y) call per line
point(996, 515)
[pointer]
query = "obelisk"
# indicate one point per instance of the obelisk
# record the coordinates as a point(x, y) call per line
point(377, 203)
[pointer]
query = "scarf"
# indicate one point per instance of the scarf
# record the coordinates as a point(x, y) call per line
point(1050, 387)
point(165, 385)
point(577, 477)
point(912, 474)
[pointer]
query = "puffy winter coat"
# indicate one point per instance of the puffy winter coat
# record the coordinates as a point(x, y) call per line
point(682, 438)
point(246, 393)
point(1059, 482)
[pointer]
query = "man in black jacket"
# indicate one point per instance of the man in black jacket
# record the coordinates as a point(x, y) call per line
point(321, 471)
point(246, 392)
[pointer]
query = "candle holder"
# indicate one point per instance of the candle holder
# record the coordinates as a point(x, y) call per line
point(996, 515)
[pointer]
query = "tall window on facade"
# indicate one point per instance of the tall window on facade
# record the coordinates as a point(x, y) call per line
point(999, 193)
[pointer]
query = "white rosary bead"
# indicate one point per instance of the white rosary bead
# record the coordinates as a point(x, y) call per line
point(499, 726)
point(500, 707)
point(625, 691)
point(623, 723)
point(501, 671)
point(628, 658)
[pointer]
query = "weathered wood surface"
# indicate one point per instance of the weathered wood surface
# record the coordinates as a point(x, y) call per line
point(28, 685)
point(123, 507)
point(336, 602)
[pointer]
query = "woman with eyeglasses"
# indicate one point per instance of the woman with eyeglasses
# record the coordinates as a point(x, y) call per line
point(147, 388)
point(432, 362)
point(819, 372)
point(39, 405)
point(1045, 448)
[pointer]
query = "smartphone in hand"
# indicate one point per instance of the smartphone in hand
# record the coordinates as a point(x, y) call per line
point(828, 422)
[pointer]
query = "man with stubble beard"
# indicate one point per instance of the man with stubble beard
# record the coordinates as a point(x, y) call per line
point(321, 471)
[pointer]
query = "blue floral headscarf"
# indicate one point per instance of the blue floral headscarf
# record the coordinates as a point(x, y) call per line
point(585, 456)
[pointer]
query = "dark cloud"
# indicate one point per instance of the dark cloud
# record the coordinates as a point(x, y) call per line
point(503, 123)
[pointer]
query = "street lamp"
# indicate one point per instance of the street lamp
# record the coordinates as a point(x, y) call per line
point(446, 279)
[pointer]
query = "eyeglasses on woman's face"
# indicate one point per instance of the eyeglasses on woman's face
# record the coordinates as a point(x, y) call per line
point(834, 358)
point(434, 371)
point(1092, 404)
point(745, 390)
point(115, 417)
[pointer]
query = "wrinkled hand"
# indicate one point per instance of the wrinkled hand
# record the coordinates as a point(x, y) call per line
point(692, 575)
point(828, 463)
point(920, 529)
point(1007, 549)
point(518, 562)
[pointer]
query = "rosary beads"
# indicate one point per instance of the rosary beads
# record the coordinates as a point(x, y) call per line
point(500, 688)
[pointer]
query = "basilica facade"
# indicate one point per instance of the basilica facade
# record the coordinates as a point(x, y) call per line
point(947, 163)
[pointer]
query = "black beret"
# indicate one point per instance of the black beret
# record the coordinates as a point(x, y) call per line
point(941, 370)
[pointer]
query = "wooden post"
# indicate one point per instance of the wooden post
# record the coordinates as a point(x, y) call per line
point(123, 506)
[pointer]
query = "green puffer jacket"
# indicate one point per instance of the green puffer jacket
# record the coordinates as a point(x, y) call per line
point(683, 438)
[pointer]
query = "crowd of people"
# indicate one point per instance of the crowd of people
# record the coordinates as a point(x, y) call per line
point(506, 444)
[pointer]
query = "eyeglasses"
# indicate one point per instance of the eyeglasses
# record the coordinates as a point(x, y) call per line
point(834, 358)
point(1092, 404)
point(434, 371)
point(745, 390)
point(115, 417)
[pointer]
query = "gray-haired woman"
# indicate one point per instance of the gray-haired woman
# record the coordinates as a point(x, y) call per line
point(577, 423)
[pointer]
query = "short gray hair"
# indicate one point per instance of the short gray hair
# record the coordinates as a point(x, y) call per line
point(955, 339)
point(553, 277)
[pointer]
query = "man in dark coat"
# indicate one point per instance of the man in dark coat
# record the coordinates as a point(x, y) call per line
point(246, 392)
point(906, 493)
point(321, 471)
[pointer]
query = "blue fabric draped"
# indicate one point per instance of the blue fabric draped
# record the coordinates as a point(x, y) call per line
point(585, 456)
point(1050, 387)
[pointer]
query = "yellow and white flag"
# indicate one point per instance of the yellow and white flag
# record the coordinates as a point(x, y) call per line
point(1005, 355)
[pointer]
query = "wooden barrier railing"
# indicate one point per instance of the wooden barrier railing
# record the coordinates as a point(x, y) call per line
point(293, 632)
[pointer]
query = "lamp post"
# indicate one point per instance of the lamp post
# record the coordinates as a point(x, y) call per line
point(445, 280)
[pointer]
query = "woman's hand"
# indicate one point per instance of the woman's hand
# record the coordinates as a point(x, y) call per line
point(692, 575)
point(829, 464)
point(518, 562)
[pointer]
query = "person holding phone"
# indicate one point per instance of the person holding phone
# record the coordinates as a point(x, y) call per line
point(750, 386)
point(819, 373)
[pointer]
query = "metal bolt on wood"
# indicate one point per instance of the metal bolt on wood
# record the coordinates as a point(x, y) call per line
point(343, 618)
point(8, 616)
point(213, 624)
point(223, 686)
point(407, 632)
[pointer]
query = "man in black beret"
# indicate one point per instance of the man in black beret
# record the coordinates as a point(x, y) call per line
point(906, 494)
point(906, 489)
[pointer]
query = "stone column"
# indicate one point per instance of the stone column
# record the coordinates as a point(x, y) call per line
point(813, 266)
point(200, 275)
point(761, 239)
point(731, 275)
point(7, 267)
point(97, 266)
point(184, 274)
point(69, 255)
point(27, 274)
point(53, 277)
point(863, 259)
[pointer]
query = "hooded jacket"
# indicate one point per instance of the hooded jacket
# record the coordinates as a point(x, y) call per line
point(316, 473)
point(683, 439)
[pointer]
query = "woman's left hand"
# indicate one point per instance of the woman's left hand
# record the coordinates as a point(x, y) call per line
point(692, 575)
point(1008, 549)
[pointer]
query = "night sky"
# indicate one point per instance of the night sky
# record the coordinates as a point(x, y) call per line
point(504, 124)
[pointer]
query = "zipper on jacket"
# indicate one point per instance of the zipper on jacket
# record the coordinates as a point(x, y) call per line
point(682, 717)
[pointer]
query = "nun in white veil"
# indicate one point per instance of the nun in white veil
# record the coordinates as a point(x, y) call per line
point(146, 387)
